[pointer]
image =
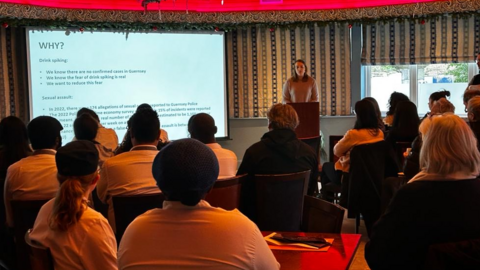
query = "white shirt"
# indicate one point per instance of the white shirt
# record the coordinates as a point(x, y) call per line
point(31, 178)
point(107, 137)
point(227, 160)
point(129, 173)
point(89, 244)
point(194, 237)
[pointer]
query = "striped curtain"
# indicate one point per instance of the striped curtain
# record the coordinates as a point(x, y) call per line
point(13, 82)
point(443, 40)
point(260, 60)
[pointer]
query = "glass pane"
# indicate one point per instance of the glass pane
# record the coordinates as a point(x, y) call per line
point(435, 77)
point(388, 79)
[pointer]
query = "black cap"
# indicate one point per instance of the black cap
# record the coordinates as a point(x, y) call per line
point(77, 158)
point(185, 165)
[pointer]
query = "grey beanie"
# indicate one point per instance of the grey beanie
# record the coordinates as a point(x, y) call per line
point(185, 170)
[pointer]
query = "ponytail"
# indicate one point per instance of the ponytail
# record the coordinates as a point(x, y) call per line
point(69, 203)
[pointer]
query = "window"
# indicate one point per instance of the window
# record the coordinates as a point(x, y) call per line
point(418, 82)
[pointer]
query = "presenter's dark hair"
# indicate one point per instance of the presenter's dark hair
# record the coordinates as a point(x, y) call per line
point(395, 98)
point(295, 76)
point(366, 116)
point(85, 127)
point(439, 94)
point(145, 126)
point(90, 112)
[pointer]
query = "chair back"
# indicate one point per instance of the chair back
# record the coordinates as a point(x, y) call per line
point(454, 255)
point(24, 215)
point(127, 208)
point(41, 258)
point(400, 148)
point(279, 205)
point(226, 192)
point(333, 140)
point(314, 143)
point(321, 216)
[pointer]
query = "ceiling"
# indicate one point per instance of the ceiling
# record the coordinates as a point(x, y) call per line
point(216, 5)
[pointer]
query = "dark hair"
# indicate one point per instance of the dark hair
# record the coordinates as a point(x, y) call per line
point(295, 76)
point(439, 94)
point(88, 111)
point(43, 132)
point(85, 127)
point(406, 118)
point(14, 141)
point(144, 106)
point(381, 125)
point(202, 127)
point(145, 126)
point(366, 116)
point(395, 98)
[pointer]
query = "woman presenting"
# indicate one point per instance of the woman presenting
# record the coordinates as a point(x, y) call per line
point(300, 87)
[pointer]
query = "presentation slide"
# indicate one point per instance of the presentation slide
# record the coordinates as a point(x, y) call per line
point(178, 73)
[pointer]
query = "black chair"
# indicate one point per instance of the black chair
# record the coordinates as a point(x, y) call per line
point(41, 258)
point(321, 216)
point(279, 200)
point(332, 191)
point(226, 193)
point(314, 143)
point(127, 208)
point(370, 164)
point(24, 215)
point(454, 255)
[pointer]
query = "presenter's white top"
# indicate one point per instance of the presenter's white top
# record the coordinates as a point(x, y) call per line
point(300, 91)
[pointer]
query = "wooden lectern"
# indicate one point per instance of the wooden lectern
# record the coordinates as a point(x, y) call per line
point(308, 130)
point(309, 116)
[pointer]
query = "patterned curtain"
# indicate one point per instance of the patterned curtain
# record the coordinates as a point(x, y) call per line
point(260, 60)
point(13, 81)
point(443, 40)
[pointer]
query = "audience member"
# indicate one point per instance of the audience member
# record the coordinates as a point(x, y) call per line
point(85, 127)
point(126, 144)
point(188, 233)
point(381, 125)
point(440, 204)
point(405, 124)
point(470, 93)
point(130, 173)
point(395, 98)
point(440, 107)
point(434, 97)
point(476, 79)
point(365, 131)
point(278, 152)
point(78, 237)
point(13, 147)
point(202, 127)
point(105, 136)
point(35, 177)
point(474, 117)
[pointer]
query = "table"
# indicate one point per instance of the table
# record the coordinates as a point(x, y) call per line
point(338, 257)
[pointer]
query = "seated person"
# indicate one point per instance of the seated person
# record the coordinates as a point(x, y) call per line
point(77, 236)
point(107, 137)
point(202, 127)
point(440, 204)
point(188, 233)
point(394, 99)
point(85, 127)
point(130, 173)
point(35, 177)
